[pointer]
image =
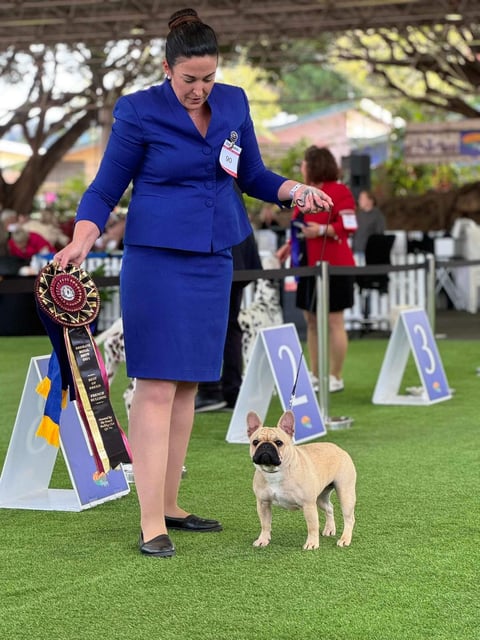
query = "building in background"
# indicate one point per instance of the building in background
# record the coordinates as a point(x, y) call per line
point(347, 128)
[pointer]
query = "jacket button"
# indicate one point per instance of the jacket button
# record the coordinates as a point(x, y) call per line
point(209, 203)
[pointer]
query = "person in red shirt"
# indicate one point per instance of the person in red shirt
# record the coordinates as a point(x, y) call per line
point(25, 244)
point(324, 236)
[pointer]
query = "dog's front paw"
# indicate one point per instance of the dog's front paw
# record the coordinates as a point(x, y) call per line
point(329, 530)
point(344, 541)
point(262, 541)
point(311, 543)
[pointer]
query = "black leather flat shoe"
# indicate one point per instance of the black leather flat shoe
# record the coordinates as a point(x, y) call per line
point(193, 523)
point(159, 547)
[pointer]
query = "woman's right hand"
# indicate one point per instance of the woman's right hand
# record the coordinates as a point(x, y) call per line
point(72, 253)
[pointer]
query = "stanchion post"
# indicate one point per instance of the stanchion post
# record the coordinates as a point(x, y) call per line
point(430, 290)
point(322, 289)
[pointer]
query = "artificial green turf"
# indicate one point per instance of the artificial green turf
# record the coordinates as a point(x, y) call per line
point(411, 572)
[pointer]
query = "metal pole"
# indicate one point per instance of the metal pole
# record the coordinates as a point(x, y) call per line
point(430, 290)
point(322, 290)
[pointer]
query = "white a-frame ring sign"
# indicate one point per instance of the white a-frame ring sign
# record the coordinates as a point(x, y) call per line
point(412, 332)
point(275, 361)
point(29, 463)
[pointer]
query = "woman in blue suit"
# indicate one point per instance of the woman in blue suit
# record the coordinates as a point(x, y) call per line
point(181, 144)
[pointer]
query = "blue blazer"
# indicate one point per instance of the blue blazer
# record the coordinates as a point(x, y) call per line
point(181, 197)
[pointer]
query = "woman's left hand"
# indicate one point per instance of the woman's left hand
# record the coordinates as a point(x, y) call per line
point(314, 230)
point(312, 200)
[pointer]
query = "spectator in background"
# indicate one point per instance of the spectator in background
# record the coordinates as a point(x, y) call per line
point(112, 238)
point(25, 244)
point(46, 225)
point(67, 225)
point(3, 240)
point(324, 236)
point(9, 219)
point(370, 220)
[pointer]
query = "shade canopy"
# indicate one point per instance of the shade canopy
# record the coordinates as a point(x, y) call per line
point(237, 22)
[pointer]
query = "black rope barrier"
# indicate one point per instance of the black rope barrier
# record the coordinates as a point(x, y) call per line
point(25, 284)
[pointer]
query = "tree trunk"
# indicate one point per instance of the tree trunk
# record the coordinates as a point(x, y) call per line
point(20, 195)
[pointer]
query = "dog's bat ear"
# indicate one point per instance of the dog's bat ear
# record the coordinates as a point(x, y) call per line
point(253, 423)
point(287, 423)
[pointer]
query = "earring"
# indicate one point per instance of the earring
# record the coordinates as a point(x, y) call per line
point(169, 77)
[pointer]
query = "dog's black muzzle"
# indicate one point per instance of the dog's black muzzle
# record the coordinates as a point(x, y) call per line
point(266, 454)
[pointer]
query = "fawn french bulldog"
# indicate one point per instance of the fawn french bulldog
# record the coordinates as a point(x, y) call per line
point(300, 477)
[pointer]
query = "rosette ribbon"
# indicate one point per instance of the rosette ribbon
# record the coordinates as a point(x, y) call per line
point(68, 304)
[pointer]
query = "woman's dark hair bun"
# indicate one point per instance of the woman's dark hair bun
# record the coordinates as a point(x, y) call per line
point(182, 17)
point(189, 37)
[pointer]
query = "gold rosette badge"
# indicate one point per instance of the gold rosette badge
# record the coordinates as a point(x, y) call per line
point(68, 302)
point(68, 296)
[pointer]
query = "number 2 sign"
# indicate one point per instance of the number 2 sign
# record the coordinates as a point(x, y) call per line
point(277, 361)
point(412, 332)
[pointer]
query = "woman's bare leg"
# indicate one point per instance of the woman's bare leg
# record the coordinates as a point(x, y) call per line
point(181, 428)
point(312, 341)
point(149, 434)
point(338, 339)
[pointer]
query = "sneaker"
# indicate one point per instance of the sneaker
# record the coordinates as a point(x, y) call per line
point(334, 384)
point(203, 404)
point(314, 381)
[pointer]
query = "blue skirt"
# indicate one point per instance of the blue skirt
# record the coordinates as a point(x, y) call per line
point(175, 312)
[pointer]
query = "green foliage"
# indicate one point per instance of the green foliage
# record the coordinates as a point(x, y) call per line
point(287, 164)
point(70, 192)
point(262, 94)
point(435, 65)
point(312, 87)
point(68, 196)
point(395, 177)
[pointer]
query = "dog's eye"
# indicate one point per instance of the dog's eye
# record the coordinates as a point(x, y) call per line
point(255, 442)
point(279, 443)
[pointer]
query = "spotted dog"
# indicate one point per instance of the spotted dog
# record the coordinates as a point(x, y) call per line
point(114, 354)
point(264, 311)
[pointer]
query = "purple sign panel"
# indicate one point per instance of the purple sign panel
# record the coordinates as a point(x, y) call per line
point(293, 381)
point(426, 354)
point(91, 487)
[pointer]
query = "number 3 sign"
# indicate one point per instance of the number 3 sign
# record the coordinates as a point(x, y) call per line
point(412, 332)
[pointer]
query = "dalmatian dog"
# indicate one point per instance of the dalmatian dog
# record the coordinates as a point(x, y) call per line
point(264, 311)
point(114, 354)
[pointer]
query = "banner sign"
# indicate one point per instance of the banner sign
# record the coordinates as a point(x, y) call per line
point(443, 141)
